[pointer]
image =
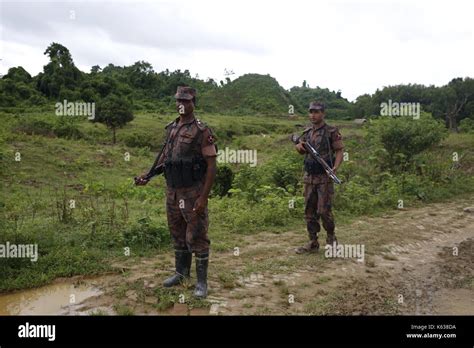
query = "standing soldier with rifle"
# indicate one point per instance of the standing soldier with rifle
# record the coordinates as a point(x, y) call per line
point(188, 160)
point(319, 144)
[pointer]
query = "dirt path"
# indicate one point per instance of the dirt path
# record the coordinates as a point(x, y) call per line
point(417, 261)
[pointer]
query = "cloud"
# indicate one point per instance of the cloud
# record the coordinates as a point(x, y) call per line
point(160, 25)
point(355, 46)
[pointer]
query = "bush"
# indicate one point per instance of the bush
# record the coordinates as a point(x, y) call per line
point(146, 234)
point(37, 100)
point(223, 181)
point(286, 171)
point(467, 125)
point(271, 209)
point(138, 140)
point(355, 196)
point(403, 138)
point(247, 180)
point(66, 127)
point(33, 126)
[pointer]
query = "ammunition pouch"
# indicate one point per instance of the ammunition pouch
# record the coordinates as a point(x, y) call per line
point(313, 167)
point(184, 172)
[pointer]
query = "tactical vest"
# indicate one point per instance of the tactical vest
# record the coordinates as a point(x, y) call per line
point(184, 166)
point(323, 146)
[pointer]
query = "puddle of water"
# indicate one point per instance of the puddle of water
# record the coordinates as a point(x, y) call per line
point(53, 299)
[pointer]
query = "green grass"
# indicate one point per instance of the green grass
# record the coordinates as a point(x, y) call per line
point(227, 280)
point(111, 213)
point(123, 310)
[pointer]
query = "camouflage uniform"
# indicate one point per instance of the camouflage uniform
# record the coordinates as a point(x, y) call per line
point(184, 155)
point(188, 229)
point(319, 188)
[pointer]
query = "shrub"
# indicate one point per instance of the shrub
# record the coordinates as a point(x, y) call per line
point(66, 127)
point(33, 126)
point(467, 125)
point(146, 234)
point(223, 181)
point(403, 137)
point(138, 140)
point(286, 171)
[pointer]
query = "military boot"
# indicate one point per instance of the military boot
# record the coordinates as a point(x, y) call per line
point(331, 239)
point(202, 262)
point(311, 247)
point(183, 259)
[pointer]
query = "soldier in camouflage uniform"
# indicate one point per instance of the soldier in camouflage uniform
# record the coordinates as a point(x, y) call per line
point(189, 157)
point(318, 187)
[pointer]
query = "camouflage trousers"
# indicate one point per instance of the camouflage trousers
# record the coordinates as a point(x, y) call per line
point(318, 200)
point(188, 229)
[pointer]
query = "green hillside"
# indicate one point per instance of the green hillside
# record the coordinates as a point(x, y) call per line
point(250, 94)
point(337, 106)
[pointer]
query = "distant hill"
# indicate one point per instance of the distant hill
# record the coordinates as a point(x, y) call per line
point(337, 106)
point(250, 94)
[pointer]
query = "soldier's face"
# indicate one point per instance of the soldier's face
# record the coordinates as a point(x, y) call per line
point(316, 116)
point(184, 106)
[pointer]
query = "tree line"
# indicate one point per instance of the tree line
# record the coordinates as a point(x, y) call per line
point(140, 87)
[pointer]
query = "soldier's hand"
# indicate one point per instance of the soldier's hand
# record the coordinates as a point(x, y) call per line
point(140, 180)
point(300, 148)
point(200, 205)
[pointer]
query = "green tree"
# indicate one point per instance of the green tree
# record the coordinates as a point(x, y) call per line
point(18, 74)
point(60, 73)
point(141, 75)
point(95, 69)
point(114, 112)
point(454, 101)
point(17, 87)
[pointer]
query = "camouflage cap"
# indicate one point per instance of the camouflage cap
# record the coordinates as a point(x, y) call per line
point(316, 106)
point(187, 93)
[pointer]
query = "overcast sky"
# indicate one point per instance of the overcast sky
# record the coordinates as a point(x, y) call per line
point(355, 46)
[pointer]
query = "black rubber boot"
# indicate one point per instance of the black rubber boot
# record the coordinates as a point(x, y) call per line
point(331, 239)
point(183, 259)
point(202, 262)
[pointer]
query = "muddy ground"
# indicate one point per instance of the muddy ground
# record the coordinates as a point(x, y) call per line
point(416, 261)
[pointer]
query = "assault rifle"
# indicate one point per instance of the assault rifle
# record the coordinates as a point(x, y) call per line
point(316, 156)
